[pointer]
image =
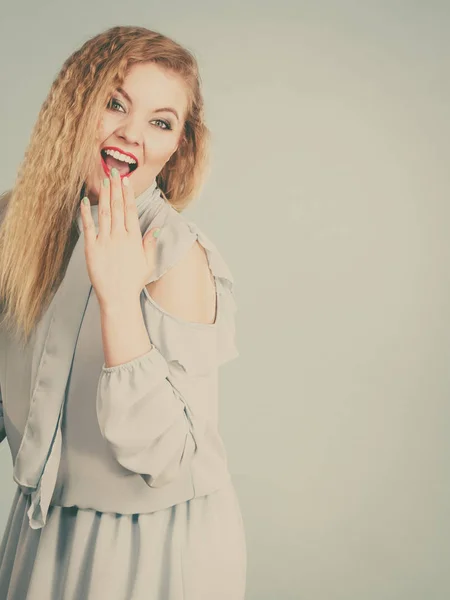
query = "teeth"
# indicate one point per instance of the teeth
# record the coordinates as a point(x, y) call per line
point(120, 156)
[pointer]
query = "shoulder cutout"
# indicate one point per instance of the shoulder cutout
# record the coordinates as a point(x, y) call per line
point(188, 302)
point(188, 289)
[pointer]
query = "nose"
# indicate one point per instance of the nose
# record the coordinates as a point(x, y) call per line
point(130, 130)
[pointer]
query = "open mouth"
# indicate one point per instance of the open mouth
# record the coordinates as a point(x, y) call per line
point(111, 158)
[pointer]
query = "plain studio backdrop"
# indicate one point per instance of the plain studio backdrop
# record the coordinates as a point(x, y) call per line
point(329, 198)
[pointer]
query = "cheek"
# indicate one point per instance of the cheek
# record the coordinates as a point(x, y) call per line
point(105, 126)
point(159, 148)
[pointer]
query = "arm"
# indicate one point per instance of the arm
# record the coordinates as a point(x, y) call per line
point(187, 291)
point(143, 413)
point(124, 334)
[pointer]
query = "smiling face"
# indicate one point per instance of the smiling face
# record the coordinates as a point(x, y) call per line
point(144, 120)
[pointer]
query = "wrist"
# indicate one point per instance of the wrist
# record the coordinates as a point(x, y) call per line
point(119, 306)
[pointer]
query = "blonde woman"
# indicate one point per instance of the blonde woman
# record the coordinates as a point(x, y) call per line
point(117, 313)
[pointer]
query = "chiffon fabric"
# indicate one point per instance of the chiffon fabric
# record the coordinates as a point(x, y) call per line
point(123, 486)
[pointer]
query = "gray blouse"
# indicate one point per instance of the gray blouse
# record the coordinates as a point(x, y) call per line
point(135, 437)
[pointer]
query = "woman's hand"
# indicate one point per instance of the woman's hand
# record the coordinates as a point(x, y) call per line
point(119, 260)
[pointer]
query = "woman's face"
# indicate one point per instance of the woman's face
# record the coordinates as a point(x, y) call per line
point(145, 118)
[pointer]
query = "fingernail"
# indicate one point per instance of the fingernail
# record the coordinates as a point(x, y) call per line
point(156, 232)
point(114, 172)
point(86, 200)
point(126, 181)
point(106, 182)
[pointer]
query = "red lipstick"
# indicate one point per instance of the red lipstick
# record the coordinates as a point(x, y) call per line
point(105, 166)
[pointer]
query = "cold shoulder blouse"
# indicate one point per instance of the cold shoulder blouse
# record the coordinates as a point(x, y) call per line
point(132, 438)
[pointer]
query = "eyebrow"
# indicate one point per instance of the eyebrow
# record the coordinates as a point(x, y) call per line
point(166, 108)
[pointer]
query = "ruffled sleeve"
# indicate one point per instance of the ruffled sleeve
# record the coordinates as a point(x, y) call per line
point(153, 410)
point(145, 419)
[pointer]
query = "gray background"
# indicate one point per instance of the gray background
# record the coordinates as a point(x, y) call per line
point(329, 199)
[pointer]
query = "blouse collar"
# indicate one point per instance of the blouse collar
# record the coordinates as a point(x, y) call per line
point(144, 201)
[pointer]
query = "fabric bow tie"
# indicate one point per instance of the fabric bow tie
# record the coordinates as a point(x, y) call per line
point(37, 461)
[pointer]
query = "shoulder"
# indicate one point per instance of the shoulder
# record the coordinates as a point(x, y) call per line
point(183, 283)
point(183, 242)
point(190, 271)
point(187, 287)
point(181, 238)
point(188, 303)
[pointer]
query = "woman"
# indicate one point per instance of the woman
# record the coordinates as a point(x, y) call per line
point(111, 340)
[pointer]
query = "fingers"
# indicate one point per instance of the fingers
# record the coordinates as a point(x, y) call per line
point(104, 207)
point(117, 203)
point(87, 220)
point(117, 207)
point(130, 208)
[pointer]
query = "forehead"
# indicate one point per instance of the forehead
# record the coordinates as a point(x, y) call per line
point(152, 86)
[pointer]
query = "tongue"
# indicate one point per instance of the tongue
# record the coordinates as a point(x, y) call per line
point(122, 167)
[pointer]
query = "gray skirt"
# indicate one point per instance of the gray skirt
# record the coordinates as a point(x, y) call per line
point(195, 550)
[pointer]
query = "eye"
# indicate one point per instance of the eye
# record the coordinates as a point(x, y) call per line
point(112, 102)
point(166, 123)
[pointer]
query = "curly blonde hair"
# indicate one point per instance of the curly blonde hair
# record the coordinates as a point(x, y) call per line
point(38, 232)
